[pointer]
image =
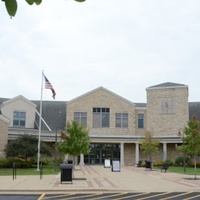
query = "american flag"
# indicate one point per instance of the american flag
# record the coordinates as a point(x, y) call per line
point(49, 86)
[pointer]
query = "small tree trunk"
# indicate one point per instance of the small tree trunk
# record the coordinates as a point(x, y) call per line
point(150, 158)
point(195, 167)
point(73, 167)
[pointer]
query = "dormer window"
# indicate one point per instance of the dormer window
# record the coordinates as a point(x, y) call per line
point(19, 119)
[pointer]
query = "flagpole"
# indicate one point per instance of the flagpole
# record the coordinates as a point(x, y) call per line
point(40, 120)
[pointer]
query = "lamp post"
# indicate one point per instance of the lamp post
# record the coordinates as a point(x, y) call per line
point(55, 158)
point(56, 140)
point(184, 163)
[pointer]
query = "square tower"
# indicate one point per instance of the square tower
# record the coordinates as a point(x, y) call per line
point(167, 108)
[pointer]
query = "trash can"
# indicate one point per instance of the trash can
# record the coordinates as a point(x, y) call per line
point(66, 172)
point(148, 164)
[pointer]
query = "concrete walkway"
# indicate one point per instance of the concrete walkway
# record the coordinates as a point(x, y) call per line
point(100, 179)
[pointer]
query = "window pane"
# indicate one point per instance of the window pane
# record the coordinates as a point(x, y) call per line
point(105, 120)
point(22, 123)
point(96, 120)
point(118, 122)
point(81, 117)
point(19, 119)
point(125, 123)
point(121, 120)
point(101, 117)
point(140, 120)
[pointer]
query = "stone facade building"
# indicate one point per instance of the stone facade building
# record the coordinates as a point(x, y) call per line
point(116, 125)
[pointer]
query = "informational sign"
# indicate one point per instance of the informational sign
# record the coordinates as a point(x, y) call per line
point(107, 163)
point(115, 166)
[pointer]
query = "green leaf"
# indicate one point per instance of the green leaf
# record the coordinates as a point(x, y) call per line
point(38, 2)
point(30, 2)
point(80, 0)
point(11, 6)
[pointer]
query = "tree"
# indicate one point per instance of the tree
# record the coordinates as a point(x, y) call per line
point(25, 146)
point(191, 139)
point(149, 145)
point(75, 140)
point(11, 5)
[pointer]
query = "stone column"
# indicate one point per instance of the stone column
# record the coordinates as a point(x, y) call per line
point(66, 158)
point(81, 160)
point(164, 151)
point(137, 157)
point(122, 154)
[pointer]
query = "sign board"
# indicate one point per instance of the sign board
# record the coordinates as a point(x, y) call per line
point(107, 163)
point(116, 166)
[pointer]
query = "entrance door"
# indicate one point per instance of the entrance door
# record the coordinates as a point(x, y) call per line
point(100, 152)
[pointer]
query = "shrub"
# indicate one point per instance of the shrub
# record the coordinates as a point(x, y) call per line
point(42, 161)
point(4, 163)
point(169, 162)
point(19, 163)
point(158, 163)
point(180, 161)
point(192, 164)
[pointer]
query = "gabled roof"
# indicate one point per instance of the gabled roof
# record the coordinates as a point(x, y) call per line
point(166, 85)
point(99, 89)
point(53, 112)
point(6, 102)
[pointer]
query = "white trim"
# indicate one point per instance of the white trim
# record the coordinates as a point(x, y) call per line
point(43, 120)
point(4, 119)
point(15, 99)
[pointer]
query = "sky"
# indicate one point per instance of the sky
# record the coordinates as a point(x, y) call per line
point(125, 46)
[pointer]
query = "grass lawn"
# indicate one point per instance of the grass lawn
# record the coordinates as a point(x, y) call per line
point(180, 170)
point(47, 169)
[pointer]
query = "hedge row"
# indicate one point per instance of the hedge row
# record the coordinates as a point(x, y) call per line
point(19, 163)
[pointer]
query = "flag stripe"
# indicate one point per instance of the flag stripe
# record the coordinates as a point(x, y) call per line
point(49, 86)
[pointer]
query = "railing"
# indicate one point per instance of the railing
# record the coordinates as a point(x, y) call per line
point(14, 171)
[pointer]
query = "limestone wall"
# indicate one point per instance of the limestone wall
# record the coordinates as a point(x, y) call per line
point(103, 99)
point(3, 135)
point(160, 122)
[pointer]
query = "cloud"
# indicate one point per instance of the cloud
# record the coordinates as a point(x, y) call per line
point(125, 46)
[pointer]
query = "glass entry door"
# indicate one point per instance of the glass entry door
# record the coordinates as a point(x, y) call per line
point(100, 152)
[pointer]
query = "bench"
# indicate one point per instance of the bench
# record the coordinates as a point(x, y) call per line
point(165, 166)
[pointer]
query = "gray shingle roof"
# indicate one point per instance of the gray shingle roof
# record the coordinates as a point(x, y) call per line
point(140, 105)
point(54, 114)
point(168, 84)
point(194, 109)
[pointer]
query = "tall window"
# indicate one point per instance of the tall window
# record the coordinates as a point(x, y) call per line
point(101, 117)
point(121, 120)
point(140, 120)
point(19, 119)
point(81, 117)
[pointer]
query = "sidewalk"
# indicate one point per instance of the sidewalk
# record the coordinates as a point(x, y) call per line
point(100, 179)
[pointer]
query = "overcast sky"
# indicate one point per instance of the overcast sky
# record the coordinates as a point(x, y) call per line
point(122, 45)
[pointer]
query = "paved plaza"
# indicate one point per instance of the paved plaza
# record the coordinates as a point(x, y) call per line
point(92, 178)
